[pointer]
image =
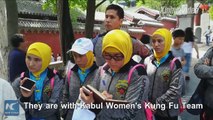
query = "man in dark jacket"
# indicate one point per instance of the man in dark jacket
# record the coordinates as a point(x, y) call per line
point(16, 60)
point(114, 15)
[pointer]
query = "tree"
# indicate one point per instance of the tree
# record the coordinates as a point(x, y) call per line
point(190, 5)
point(9, 26)
point(65, 28)
point(158, 4)
point(211, 12)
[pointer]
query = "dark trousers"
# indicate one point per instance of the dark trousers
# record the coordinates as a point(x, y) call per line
point(165, 118)
point(207, 114)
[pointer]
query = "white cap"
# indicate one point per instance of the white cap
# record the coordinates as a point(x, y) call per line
point(82, 46)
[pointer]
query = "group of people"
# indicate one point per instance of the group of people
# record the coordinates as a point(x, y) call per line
point(58, 58)
point(105, 63)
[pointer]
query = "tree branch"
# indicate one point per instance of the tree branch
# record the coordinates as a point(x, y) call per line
point(99, 4)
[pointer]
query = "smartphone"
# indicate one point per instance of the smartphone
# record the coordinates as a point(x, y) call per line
point(28, 84)
point(86, 91)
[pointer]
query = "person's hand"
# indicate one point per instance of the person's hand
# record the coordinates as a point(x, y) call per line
point(107, 95)
point(197, 56)
point(152, 107)
point(140, 49)
point(24, 92)
point(206, 61)
point(183, 62)
point(88, 99)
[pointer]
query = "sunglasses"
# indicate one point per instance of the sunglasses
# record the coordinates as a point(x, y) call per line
point(116, 57)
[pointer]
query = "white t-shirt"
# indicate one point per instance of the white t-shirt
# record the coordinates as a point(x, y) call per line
point(7, 93)
point(59, 58)
point(187, 47)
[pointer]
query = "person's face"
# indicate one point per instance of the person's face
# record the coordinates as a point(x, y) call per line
point(34, 63)
point(178, 40)
point(112, 20)
point(80, 60)
point(114, 60)
point(158, 43)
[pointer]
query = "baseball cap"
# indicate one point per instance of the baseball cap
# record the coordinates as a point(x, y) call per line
point(82, 46)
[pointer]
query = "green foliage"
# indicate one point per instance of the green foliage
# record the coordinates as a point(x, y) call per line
point(209, 1)
point(157, 4)
point(75, 7)
point(50, 4)
point(211, 12)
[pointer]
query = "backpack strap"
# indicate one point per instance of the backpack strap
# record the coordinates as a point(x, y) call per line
point(69, 76)
point(52, 80)
point(181, 109)
point(172, 64)
point(22, 74)
point(131, 71)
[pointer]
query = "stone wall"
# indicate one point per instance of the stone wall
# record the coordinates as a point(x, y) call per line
point(4, 49)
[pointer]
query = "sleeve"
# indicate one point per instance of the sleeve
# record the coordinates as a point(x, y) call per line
point(136, 90)
point(65, 97)
point(12, 68)
point(175, 87)
point(16, 88)
point(202, 70)
point(94, 41)
point(55, 98)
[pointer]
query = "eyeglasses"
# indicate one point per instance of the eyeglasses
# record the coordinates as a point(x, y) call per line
point(116, 57)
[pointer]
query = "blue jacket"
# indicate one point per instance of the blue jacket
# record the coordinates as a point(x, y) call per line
point(16, 63)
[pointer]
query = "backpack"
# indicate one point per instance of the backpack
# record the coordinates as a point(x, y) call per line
point(148, 111)
point(52, 80)
point(181, 109)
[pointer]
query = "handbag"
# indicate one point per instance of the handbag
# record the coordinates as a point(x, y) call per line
point(197, 98)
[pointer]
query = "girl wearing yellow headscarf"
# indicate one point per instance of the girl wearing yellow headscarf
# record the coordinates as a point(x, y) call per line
point(112, 78)
point(161, 42)
point(117, 49)
point(165, 83)
point(47, 86)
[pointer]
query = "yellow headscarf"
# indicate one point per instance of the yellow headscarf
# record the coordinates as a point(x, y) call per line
point(118, 41)
point(42, 51)
point(90, 60)
point(166, 34)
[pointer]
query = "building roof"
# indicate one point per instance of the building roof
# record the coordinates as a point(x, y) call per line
point(99, 16)
point(149, 11)
point(168, 18)
point(136, 30)
point(36, 23)
point(33, 8)
point(138, 16)
point(142, 22)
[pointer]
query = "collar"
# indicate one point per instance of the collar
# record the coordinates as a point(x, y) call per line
point(94, 66)
point(170, 57)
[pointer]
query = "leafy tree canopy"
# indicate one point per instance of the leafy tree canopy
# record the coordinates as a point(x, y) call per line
point(157, 4)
